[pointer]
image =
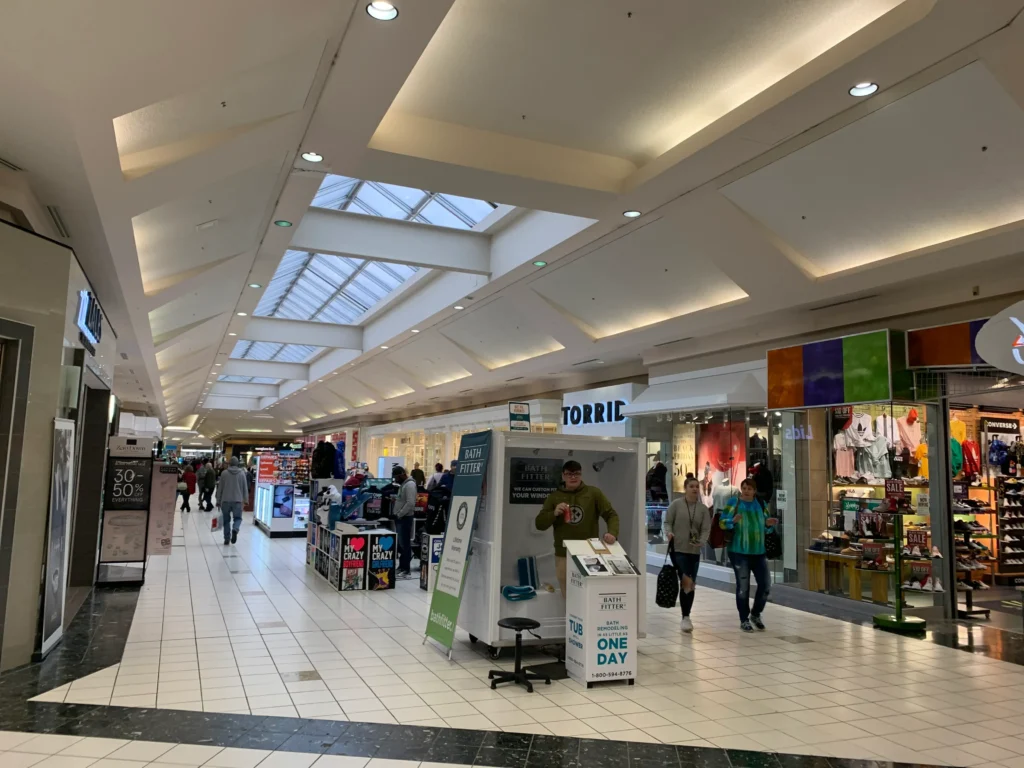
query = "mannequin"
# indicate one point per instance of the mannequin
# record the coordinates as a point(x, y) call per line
point(721, 494)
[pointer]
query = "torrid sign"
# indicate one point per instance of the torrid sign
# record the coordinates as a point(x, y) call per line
point(599, 411)
point(609, 411)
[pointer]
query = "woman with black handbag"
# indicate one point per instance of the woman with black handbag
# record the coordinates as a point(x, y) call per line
point(745, 521)
point(687, 528)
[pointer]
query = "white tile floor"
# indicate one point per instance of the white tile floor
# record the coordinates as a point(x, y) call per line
point(242, 628)
point(27, 750)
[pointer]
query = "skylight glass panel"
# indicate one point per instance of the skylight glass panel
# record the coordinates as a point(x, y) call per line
point(393, 201)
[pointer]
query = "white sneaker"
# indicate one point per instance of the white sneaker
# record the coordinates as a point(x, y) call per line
point(937, 586)
point(686, 624)
point(927, 584)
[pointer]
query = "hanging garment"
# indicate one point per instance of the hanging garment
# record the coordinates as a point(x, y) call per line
point(997, 452)
point(886, 425)
point(859, 433)
point(844, 457)
point(721, 493)
point(956, 456)
point(901, 466)
point(972, 457)
point(957, 430)
point(921, 454)
point(910, 434)
point(877, 458)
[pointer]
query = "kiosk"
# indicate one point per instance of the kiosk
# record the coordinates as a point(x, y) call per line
point(523, 469)
point(280, 507)
point(601, 613)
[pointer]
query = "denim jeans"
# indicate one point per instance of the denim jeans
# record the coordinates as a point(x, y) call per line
point(229, 509)
point(207, 498)
point(185, 507)
point(743, 566)
point(686, 564)
point(404, 526)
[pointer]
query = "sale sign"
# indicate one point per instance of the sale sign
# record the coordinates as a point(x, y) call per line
point(127, 485)
point(917, 538)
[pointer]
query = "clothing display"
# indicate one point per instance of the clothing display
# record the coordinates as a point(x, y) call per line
point(957, 430)
point(859, 434)
point(909, 430)
point(721, 493)
point(921, 454)
point(901, 463)
point(997, 452)
point(874, 459)
point(956, 456)
point(972, 457)
point(844, 464)
point(886, 425)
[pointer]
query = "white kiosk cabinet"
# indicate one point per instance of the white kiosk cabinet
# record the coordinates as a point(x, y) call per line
point(601, 614)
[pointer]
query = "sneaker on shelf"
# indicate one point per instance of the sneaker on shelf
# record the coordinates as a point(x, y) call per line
point(686, 625)
point(981, 585)
point(935, 552)
point(927, 586)
point(937, 585)
point(1006, 539)
point(915, 552)
point(963, 586)
point(906, 584)
point(905, 552)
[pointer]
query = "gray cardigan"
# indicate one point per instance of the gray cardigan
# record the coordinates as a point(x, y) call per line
point(677, 522)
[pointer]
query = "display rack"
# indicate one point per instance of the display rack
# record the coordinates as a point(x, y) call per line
point(1010, 530)
point(897, 621)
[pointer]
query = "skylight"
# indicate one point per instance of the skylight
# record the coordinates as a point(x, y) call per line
point(266, 350)
point(328, 289)
point(249, 379)
point(391, 201)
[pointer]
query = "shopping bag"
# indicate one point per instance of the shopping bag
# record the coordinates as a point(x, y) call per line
point(668, 584)
point(215, 523)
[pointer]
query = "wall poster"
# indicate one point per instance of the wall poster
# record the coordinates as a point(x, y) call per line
point(531, 479)
point(58, 530)
point(162, 500)
point(684, 454)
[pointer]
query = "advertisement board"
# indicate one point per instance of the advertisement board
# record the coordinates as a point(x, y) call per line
point(532, 479)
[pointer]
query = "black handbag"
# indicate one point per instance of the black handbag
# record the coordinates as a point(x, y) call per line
point(668, 584)
point(772, 545)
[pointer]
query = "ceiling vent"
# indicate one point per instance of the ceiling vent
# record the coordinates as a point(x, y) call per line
point(832, 304)
point(517, 378)
point(9, 165)
point(674, 341)
point(124, 355)
point(58, 222)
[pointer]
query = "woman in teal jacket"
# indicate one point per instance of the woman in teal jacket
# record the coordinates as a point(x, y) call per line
point(747, 517)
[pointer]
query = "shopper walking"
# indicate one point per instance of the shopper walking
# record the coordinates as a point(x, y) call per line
point(209, 484)
point(436, 477)
point(404, 512)
point(687, 528)
point(448, 477)
point(232, 494)
point(189, 478)
point(746, 518)
point(418, 476)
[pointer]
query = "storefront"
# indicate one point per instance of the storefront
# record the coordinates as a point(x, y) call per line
point(435, 439)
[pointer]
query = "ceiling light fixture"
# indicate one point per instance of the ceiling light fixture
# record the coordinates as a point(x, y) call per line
point(312, 157)
point(863, 89)
point(631, 214)
point(415, 330)
point(232, 334)
point(282, 223)
point(458, 306)
point(540, 263)
point(255, 285)
point(242, 314)
point(381, 10)
point(383, 346)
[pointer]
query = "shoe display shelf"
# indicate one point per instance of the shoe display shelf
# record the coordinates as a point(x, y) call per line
point(1010, 544)
point(898, 621)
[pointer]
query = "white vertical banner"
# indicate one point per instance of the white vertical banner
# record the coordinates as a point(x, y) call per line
point(58, 533)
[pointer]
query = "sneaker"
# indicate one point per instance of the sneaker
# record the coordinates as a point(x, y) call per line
point(937, 585)
point(745, 626)
point(756, 621)
point(234, 536)
point(936, 553)
point(915, 552)
point(686, 625)
point(226, 542)
point(928, 586)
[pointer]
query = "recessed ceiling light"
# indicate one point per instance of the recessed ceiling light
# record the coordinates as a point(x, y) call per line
point(282, 223)
point(312, 157)
point(383, 346)
point(232, 334)
point(863, 89)
point(415, 330)
point(540, 263)
point(631, 214)
point(242, 314)
point(458, 306)
point(382, 10)
point(255, 285)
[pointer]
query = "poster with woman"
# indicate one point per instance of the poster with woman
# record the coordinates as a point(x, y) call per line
point(721, 456)
point(55, 579)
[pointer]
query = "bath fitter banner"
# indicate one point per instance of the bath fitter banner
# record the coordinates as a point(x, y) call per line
point(469, 488)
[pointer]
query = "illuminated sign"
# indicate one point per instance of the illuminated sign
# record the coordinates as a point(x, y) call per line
point(90, 320)
point(607, 412)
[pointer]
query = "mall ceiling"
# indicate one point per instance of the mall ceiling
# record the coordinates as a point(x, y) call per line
point(296, 214)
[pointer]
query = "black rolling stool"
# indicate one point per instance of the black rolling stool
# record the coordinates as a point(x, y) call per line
point(520, 676)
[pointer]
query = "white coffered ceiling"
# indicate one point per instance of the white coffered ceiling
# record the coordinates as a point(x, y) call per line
point(480, 154)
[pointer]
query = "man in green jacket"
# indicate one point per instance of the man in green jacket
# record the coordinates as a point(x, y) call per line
point(574, 510)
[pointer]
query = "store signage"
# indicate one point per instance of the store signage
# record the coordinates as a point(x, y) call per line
point(917, 537)
point(89, 320)
point(353, 562)
point(923, 503)
point(162, 497)
point(381, 571)
point(531, 480)
point(894, 491)
point(781, 500)
point(608, 412)
point(355, 445)
point(131, 446)
point(1006, 426)
point(1000, 342)
point(128, 480)
point(518, 417)
point(124, 536)
point(801, 432)
point(874, 552)
point(959, 491)
point(467, 492)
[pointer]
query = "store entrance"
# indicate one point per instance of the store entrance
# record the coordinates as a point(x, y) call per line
point(985, 457)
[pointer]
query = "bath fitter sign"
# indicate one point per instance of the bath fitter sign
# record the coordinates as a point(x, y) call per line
point(474, 454)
